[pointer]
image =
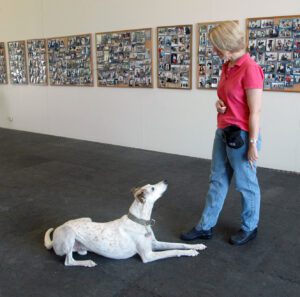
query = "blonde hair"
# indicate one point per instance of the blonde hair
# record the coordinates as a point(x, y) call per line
point(227, 36)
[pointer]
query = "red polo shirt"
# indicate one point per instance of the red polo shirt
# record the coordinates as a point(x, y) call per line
point(234, 81)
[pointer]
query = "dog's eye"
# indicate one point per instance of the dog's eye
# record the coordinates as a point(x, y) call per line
point(152, 189)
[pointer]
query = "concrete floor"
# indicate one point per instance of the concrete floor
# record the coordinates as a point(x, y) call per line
point(46, 180)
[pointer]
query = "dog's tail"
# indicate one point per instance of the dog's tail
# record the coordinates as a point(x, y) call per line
point(47, 240)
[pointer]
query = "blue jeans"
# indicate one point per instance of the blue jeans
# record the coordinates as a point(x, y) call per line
point(227, 162)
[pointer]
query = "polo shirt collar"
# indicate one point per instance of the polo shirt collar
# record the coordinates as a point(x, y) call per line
point(242, 59)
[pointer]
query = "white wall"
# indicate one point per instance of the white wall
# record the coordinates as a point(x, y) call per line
point(173, 121)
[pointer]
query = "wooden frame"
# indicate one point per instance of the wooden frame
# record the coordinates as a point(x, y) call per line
point(174, 42)
point(3, 65)
point(70, 60)
point(274, 42)
point(17, 62)
point(37, 62)
point(209, 64)
point(124, 58)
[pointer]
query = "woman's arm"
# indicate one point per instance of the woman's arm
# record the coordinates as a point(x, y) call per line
point(254, 98)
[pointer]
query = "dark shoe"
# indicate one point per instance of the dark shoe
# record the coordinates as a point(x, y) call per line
point(196, 234)
point(242, 237)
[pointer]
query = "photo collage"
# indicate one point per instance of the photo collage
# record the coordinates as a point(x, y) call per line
point(3, 69)
point(37, 61)
point(17, 62)
point(274, 43)
point(124, 59)
point(209, 66)
point(174, 53)
point(70, 61)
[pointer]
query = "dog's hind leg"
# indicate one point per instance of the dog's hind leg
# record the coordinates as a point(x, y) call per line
point(70, 261)
point(63, 244)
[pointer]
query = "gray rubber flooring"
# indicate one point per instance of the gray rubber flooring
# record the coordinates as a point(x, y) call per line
point(46, 180)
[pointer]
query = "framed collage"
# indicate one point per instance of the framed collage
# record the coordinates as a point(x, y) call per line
point(274, 43)
point(3, 66)
point(174, 53)
point(209, 64)
point(17, 62)
point(37, 61)
point(124, 58)
point(70, 60)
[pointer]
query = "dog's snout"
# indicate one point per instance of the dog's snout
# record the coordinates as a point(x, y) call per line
point(165, 182)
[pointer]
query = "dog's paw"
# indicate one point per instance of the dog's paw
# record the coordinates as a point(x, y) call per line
point(192, 253)
point(199, 246)
point(90, 263)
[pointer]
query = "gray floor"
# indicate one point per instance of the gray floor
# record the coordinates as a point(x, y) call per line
point(47, 180)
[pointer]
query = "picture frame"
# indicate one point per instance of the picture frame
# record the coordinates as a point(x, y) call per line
point(209, 64)
point(3, 65)
point(17, 62)
point(124, 58)
point(37, 62)
point(70, 60)
point(174, 56)
point(274, 43)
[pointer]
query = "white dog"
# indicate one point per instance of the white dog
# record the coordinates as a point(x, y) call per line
point(120, 239)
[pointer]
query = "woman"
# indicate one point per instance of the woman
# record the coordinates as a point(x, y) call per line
point(239, 105)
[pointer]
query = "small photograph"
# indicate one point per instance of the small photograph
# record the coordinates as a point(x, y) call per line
point(254, 24)
point(252, 45)
point(201, 82)
point(296, 79)
point(203, 38)
point(286, 23)
point(208, 67)
point(267, 23)
point(261, 33)
point(278, 86)
point(267, 85)
point(279, 44)
point(272, 32)
point(296, 71)
point(296, 55)
point(271, 56)
point(270, 67)
point(297, 63)
point(202, 69)
point(288, 44)
point(260, 57)
point(289, 81)
point(261, 45)
point(252, 34)
point(285, 33)
point(285, 56)
point(289, 68)
point(270, 77)
point(296, 46)
point(214, 81)
point(173, 58)
point(296, 24)
point(270, 45)
point(280, 68)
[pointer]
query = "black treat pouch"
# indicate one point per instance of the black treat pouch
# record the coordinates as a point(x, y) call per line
point(232, 136)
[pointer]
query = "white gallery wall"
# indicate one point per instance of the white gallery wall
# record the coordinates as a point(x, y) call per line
point(173, 121)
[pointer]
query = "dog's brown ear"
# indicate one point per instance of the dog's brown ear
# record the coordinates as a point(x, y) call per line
point(140, 197)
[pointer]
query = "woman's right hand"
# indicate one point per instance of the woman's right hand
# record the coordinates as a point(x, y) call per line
point(220, 106)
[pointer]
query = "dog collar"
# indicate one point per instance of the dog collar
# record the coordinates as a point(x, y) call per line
point(140, 221)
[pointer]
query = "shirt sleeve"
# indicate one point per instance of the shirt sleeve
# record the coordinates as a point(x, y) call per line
point(254, 77)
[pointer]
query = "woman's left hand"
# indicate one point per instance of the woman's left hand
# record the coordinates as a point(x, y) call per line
point(252, 154)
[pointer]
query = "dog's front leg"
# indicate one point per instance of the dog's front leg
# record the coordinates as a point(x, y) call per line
point(148, 255)
point(160, 245)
